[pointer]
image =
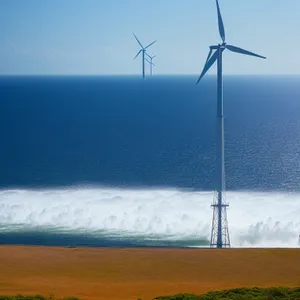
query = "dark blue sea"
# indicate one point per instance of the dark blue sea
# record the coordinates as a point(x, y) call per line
point(121, 161)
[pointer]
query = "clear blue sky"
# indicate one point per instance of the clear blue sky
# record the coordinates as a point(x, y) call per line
point(95, 36)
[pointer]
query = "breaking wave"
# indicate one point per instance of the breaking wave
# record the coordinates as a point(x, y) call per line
point(256, 219)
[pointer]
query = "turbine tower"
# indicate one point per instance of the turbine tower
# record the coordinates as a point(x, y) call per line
point(150, 62)
point(143, 51)
point(219, 232)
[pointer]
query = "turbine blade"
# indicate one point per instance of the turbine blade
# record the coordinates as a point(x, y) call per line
point(138, 40)
point(220, 21)
point(242, 51)
point(153, 64)
point(147, 60)
point(150, 45)
point(137, 54)
point(208, 56)
point(208, 64)
point(147, 54)
point(153, 56)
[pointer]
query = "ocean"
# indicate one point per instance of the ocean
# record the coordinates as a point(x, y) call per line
point(118, 161)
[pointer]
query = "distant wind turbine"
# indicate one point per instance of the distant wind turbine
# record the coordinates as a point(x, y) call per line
point(150, 62)
point(143, 51)
point(219, 233)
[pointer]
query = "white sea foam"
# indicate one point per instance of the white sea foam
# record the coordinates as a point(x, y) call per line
point(255, 219)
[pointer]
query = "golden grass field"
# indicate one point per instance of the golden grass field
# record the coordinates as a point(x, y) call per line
point(112, 273)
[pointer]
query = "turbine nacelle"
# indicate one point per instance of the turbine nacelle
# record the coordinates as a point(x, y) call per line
point(151, 57)
point(223, 45)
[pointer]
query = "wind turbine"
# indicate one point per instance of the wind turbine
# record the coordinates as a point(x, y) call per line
point(150, 62)
point(143, 51)
point(219, 233)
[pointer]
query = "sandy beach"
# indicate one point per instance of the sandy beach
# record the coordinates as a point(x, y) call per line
point(112, 273)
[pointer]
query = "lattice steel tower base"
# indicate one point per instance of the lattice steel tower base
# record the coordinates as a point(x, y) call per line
point(219, 231)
